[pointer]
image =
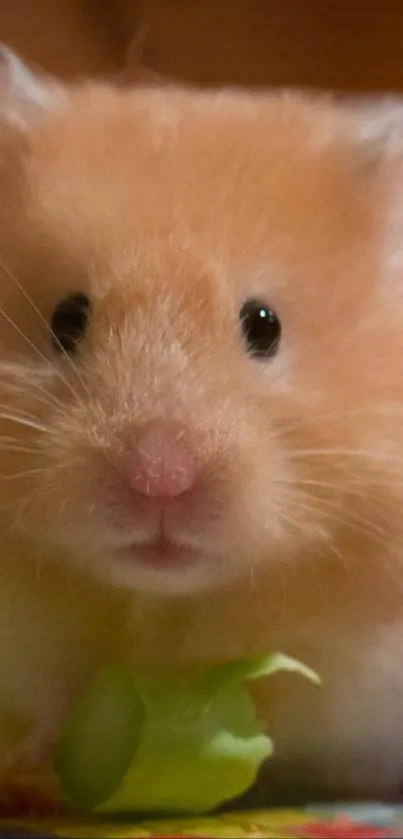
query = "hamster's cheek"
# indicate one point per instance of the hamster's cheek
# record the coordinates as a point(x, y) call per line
point(276, 519)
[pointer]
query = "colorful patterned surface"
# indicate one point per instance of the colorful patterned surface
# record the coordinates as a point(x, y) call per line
point(366, 821)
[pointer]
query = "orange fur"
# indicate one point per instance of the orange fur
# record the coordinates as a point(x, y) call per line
point(168, 208)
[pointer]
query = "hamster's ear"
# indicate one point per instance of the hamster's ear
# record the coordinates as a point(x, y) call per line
point(377, 128)
point(24, 96)
point(378, 148)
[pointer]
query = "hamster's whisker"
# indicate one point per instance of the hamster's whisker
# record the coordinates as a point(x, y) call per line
point(14, 505)
point(40, 470)
point(316, 506)
point(299, 524)
point(394, 574)
point(10, 409)
point(307, 482)
point(20, 505)
point(5, 448)
point(24, 421)
point(371, 594)
point(20, 379)
point(41, 398)
point(355, 486)
point(385, 410)
point(4, 439)
point(45, 324)
point(375, 454)
point(38, 352)
point(21, 509)
point(63, 505)
point(252, 578)
point(352, 520)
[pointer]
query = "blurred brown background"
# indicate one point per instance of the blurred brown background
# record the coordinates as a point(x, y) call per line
point(354, 45)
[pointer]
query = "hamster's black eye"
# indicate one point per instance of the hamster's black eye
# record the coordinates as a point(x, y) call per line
point(261, 329)
point(69, 321)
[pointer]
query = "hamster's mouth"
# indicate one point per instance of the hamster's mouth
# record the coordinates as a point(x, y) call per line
point(164, 566)
point(162, 555)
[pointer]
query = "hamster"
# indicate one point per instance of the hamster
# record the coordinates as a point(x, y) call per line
point(201, 366)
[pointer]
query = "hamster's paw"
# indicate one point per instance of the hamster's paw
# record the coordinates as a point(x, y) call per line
point(32, 755)
point(30, 800)
point(27, 781)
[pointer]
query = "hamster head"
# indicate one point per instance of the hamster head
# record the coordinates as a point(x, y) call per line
point(201, 331)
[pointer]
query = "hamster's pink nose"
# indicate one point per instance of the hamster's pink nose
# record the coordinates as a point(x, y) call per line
point(164, 464)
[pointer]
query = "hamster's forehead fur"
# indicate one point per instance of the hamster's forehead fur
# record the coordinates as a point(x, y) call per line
point(263, 184)
point(189, 158)
point(170, 158)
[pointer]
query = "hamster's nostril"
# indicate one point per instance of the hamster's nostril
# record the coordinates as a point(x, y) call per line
point(163, 464)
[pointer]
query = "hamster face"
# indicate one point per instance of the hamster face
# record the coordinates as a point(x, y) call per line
point(201, 337)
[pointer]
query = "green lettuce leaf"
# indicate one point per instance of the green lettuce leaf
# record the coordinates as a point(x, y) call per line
point(185, 743)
